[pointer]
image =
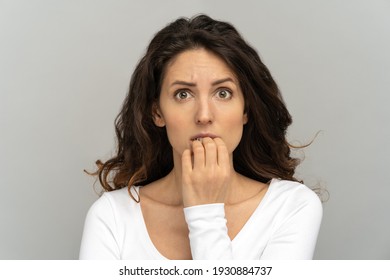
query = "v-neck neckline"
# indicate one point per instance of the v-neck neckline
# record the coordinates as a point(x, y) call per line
point(156, 253)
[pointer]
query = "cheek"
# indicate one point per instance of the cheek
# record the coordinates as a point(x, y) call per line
point(234, 129)
point(176, 132)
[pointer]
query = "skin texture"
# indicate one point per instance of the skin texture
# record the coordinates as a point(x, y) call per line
point(202, 107)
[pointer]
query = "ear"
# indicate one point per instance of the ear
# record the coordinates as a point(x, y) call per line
point(158, 118)
point(245, 118)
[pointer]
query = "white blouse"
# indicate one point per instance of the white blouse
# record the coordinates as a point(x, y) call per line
point(285, 225)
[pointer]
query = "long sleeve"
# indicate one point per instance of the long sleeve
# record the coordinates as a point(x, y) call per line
point(208, 233)
point(98, 241)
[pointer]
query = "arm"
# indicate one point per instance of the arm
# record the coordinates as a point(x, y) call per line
point(98, 241)
point(208, 232)
point(205, 179)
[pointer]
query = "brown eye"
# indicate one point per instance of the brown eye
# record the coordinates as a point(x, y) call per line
point(182, 95)
point(224, 94)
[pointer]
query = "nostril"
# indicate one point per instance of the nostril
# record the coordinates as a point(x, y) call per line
point(208, 121)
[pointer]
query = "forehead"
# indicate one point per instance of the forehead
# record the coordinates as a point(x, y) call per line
point(196, 63)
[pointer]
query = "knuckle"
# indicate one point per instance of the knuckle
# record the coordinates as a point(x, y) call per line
point(225, 173)
point(195, 176)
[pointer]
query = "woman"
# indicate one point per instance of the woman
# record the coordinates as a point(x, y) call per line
point(203, 169)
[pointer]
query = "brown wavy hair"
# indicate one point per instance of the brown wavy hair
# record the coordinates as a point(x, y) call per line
point(144, 153)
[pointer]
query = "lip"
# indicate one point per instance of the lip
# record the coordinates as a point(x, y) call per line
point(203, 135)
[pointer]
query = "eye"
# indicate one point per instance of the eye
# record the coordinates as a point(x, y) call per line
point(224, 93)
point(182, 94)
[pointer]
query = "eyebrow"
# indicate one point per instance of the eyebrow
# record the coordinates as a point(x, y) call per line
point(217, 82)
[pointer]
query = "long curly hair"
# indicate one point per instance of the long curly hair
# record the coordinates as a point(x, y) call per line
point(144, 153)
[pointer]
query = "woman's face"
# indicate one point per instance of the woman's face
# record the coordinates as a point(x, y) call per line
point(200, 96)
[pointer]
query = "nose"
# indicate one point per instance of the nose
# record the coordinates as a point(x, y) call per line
point(204, 112)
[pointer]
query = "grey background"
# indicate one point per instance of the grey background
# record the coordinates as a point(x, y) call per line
point(65, 68)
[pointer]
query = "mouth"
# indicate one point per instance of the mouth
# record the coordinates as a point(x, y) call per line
point(203, 135)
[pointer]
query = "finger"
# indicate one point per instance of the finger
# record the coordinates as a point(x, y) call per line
point(210, 151)
point(199, 153)
point(223, 158)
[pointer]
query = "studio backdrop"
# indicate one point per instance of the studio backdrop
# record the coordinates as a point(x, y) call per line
point(65, 68)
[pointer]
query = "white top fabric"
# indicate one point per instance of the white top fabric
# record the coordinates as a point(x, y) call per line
point(284, 225)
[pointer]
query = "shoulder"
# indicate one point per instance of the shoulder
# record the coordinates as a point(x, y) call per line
point(294, 213)
point(289, 189)
point(113, 202)
point(294, 196)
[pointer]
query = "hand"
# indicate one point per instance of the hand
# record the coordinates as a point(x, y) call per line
point(206, 173)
